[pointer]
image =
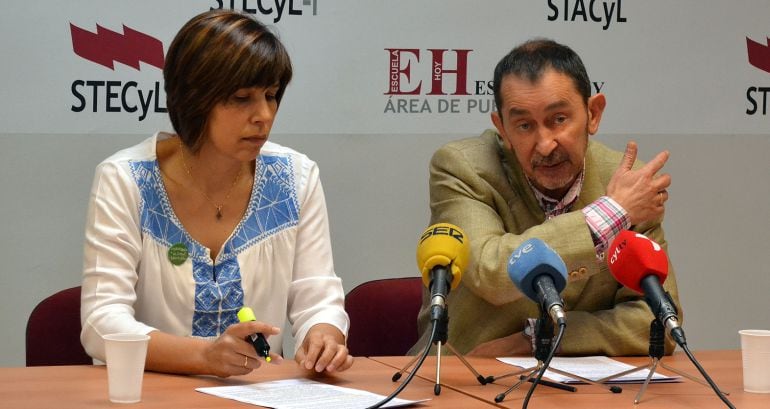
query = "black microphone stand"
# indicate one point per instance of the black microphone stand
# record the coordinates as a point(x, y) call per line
point(440, 338)
point(656, 352)
point(544, 332)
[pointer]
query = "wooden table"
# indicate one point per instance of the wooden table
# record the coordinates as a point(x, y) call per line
point(86, 386)
point(724, 367)
point(63, 387)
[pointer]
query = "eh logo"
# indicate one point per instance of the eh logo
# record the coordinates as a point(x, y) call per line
point(400, 71)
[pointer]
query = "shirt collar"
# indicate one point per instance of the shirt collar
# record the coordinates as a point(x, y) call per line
point(553, 207)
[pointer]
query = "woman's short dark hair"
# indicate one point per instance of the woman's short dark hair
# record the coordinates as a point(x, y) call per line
point(530, 59)
point(215, 54)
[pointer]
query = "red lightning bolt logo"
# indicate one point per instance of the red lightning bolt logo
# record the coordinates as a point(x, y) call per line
point(106, 47)
point(759, 54)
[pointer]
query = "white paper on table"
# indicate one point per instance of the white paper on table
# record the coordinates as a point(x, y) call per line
point(302, 394)
point(591, 367)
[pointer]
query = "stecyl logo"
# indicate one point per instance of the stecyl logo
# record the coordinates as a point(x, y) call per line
point(105, 48)
point(276, 9)
point(605, 12)
point(759, 57)
point(759, 54)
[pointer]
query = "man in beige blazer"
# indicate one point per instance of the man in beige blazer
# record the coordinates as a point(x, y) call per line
point(540, 176)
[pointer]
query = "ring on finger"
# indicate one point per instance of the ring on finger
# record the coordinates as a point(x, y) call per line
point(246, 363)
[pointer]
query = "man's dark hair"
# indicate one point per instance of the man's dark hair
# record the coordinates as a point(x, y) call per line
point(530, 59)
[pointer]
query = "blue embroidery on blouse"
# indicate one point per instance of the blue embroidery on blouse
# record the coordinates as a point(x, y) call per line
point(273, 207)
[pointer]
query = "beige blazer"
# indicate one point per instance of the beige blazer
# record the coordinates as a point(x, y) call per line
point(478, 185)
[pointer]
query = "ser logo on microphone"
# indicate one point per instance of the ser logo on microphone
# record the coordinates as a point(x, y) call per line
point(443, 231)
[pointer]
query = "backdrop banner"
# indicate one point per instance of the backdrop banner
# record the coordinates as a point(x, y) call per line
point(397, 66)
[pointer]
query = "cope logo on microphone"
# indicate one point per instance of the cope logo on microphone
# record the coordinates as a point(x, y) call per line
point(443, 231)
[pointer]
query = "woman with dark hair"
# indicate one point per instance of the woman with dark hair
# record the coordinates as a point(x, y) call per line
point(184, 229)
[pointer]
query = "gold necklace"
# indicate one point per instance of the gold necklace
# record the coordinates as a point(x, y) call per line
point(219, 206)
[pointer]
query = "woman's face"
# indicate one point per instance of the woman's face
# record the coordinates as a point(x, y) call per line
point(239, 126)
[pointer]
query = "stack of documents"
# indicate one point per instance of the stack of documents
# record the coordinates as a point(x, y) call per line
point(591, 367)
point(301, 394)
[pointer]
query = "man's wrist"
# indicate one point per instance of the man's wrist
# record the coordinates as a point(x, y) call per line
point(605, 219)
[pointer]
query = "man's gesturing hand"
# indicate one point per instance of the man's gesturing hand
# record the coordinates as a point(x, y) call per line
point(641, 192)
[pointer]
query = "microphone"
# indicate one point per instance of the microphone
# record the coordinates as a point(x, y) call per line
point(539, 273)
point(442, 255)
point(641, 265)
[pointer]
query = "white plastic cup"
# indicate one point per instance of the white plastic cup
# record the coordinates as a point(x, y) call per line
point(755, 349)
point(125, 354)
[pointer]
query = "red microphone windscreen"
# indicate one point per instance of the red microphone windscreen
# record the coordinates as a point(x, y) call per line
point(632, 256)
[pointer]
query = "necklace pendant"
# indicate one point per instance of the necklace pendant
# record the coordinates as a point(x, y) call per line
point(219, 213)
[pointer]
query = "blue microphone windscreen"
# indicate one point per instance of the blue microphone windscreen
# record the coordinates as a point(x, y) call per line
point(532, 259)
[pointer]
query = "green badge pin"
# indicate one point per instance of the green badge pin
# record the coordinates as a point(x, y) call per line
point(177, 254)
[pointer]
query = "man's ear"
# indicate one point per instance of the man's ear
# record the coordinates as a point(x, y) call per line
point(500, 128)
point(596, 104)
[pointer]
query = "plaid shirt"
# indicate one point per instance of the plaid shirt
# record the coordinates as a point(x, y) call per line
point(605, 217)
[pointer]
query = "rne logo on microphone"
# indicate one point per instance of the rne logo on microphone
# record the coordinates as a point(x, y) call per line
point(519, 252)
point(443, 231)
point(106, 47)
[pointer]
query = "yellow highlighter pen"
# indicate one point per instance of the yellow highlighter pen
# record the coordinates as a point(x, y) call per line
point(245, 314)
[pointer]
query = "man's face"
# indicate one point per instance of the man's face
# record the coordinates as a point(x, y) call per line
point(546, 124)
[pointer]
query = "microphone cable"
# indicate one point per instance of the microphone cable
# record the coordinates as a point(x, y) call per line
point(705, 375)
point(546, 363)
point(414, 370)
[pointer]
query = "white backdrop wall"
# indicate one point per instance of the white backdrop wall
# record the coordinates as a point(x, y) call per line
point(677, 75)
